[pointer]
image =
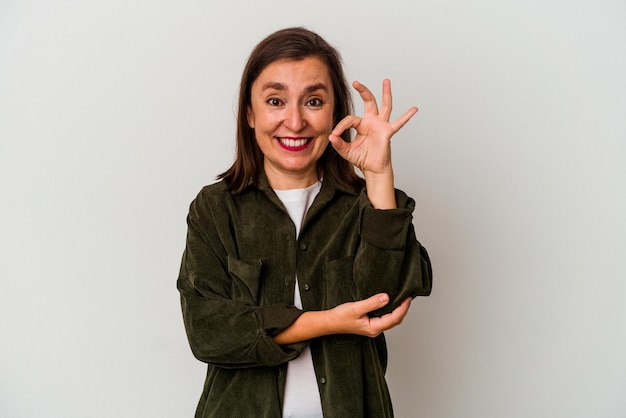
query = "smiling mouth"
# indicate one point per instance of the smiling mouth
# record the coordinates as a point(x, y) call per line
point(294, 144)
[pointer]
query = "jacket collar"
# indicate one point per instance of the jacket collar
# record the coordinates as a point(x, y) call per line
point(330, 186)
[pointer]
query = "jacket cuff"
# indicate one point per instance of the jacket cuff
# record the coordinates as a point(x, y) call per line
point(272, 320)
point(386, 228)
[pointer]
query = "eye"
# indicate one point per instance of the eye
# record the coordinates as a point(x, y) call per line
point(315, 102)
point(273, 101)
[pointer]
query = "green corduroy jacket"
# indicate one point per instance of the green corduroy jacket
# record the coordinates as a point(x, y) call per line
point(237, 281)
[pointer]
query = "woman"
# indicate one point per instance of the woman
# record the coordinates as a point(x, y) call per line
point(295, 265)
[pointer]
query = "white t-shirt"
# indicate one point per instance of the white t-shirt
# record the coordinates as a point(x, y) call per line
point(302, 398)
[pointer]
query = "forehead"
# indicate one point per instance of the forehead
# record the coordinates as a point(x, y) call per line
point(294, 74)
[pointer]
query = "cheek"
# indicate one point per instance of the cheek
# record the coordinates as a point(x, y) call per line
point(324, 121)
point(321, 145)
point(265, 121)
point(330, 117)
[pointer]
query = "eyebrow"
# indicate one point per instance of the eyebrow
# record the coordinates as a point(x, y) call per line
point(282, 87)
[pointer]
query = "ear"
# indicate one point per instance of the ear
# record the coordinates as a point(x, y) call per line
point(250, 117)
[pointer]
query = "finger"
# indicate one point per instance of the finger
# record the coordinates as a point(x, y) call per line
point(385, 110)
point(390, 320)
point(346, 123)
point(400, 312)
point(373, 302)
point(369, 101)
point(405, 305)
point(396, 316)
point(342, 147)
point(402, 120)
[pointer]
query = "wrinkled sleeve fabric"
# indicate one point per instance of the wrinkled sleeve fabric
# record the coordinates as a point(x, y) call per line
point(221, 330)
point(390, 259)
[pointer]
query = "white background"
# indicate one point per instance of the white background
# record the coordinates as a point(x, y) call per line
point(114, 114)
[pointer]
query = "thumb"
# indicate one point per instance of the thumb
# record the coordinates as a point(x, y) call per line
point(375, 302)
point(338, 144)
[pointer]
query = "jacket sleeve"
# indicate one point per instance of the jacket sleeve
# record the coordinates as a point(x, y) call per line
point(222, 329)
point(390, 259)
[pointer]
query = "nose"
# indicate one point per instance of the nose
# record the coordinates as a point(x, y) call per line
point(294, 119)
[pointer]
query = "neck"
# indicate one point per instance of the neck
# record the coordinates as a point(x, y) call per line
point(279, 180)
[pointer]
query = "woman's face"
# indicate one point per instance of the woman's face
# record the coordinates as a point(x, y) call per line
point(291, 112)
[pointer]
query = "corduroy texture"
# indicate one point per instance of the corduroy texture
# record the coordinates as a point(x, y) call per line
point(237, 281)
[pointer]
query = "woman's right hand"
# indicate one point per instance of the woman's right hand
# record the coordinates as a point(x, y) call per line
point(347, 318)
point(352, 318)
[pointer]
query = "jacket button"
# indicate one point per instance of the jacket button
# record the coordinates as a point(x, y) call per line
point(323, 380)
point(307, 287)
point(303, 246)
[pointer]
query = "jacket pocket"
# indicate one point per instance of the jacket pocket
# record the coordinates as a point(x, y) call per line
point(339, 282)
point(245, 276)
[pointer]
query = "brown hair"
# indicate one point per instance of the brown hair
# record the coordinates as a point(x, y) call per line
point(289, 44)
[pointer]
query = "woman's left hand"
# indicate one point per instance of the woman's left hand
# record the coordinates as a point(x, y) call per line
point(370, 150)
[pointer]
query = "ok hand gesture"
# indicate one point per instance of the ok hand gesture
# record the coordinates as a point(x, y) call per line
point(370, 150)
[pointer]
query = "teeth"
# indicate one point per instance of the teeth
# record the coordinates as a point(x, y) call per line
point(293, 142)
